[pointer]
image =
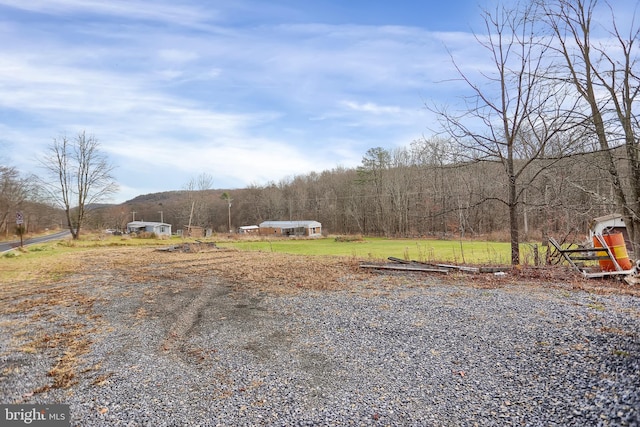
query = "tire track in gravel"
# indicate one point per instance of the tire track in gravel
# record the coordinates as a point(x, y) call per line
point(191, 313)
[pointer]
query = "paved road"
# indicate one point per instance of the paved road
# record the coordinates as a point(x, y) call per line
point(7, 246)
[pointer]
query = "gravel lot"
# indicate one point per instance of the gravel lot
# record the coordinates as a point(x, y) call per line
point(191, 339)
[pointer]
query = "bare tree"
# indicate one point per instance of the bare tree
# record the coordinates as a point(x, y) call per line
point(373, 173)
point(198, 210)
point(81, 175)
point(13, 193)
point(604, 73)
point(514, 112)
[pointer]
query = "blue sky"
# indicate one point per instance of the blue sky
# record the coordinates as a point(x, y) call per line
point(249, 92)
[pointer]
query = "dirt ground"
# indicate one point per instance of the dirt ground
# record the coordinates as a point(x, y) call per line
point(53, 312)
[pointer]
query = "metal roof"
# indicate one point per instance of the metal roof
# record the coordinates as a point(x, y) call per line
point(146, 223)
point(290, 224)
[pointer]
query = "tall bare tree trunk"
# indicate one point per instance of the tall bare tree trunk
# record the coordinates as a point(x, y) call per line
point(607, 67)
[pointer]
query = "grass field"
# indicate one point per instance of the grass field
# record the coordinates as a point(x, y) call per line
point(425, 250)
point(54, 258)
point(459, 252)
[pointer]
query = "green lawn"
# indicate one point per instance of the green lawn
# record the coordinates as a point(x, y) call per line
point(372, 248)
point(467, 252)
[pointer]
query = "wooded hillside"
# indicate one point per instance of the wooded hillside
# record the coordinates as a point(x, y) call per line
point(415, 191)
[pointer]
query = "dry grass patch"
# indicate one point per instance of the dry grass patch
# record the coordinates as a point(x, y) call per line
point(74, 343)
point(49, 325)
point(263, 271)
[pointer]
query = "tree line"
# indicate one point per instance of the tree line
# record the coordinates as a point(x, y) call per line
point(416, 191)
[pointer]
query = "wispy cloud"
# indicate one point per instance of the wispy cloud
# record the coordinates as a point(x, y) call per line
point(246, 103)
point(370, 107)
point(170, 12)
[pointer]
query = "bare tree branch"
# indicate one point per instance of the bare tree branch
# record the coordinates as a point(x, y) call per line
point(80, 176)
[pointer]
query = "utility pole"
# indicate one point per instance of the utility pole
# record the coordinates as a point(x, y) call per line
point(190, 217)
point(226, 196)
point(134, 215)
point(161, 216)
point(20, 226)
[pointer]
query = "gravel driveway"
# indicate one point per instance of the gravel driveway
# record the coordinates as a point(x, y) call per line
point(416, 351)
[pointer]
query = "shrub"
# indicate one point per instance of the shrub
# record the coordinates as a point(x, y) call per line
point(346, 239)
point(146, 235)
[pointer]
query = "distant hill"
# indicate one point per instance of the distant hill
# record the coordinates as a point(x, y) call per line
point(156, 197)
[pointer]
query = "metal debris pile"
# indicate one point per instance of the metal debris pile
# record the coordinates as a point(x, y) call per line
point(406, 265)
point(198, 246)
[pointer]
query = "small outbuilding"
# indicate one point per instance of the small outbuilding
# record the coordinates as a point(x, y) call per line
point(248, 229)
point(159, 228)
point(193, 231)
point(291, 228)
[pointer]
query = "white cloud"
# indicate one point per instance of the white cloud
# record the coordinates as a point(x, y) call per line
point(131, 9)
point(370, 107)
point(248, 105)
